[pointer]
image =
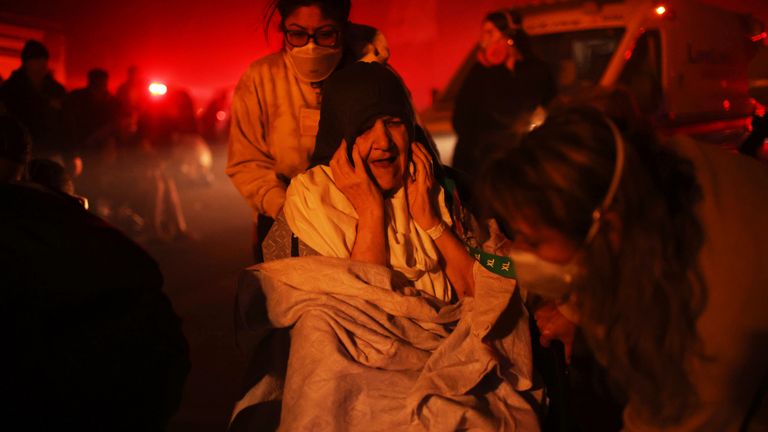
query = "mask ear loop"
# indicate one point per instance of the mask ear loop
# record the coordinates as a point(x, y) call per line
point(618, 169)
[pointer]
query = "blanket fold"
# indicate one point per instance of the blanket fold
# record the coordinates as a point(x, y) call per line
point(366, 354)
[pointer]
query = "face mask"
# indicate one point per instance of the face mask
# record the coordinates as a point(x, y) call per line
point(313, 63)
point(543, 277)
point(555, 280)
point(494, 53)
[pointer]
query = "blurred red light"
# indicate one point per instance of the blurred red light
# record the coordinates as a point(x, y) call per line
point(726, 105)
point(221, 115)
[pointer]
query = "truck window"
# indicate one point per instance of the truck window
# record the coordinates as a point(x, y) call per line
point(578, 59)
point(642, 72)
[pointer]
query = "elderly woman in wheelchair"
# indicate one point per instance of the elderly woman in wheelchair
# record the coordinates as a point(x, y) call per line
point(393, 324)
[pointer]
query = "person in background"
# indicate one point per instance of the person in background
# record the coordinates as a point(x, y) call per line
point(656, 252)
point(503, 92)
point(88, 110)
point(35, 98)
point(276, 105)
point(132, 95)
point(90, 341)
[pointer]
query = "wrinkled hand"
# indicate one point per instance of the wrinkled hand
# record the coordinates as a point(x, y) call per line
point(554, 326)
point(353, 181)
point(421, 188)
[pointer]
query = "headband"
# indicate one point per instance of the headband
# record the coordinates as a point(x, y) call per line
point(618, 169)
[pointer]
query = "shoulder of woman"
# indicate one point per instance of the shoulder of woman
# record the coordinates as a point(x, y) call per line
point(263, 70)
point(264, 65)
point(314, 183)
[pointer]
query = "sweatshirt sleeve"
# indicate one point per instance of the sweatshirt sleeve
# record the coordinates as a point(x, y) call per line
point(250, 165)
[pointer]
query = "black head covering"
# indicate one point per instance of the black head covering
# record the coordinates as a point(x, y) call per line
point(353, 98)
point(32, 50)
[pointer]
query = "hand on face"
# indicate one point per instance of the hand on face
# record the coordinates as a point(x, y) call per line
point(385, 148)
point(421, 188)
point(354, 182)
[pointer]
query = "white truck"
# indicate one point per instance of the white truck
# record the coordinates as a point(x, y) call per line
point(686, 62)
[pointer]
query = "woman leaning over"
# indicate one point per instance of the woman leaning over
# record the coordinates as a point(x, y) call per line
point(275, 110)
point(662, 251)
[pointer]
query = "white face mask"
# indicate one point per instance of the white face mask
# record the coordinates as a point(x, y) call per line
point(555, 280)
point(543, 277)
point(313, 63)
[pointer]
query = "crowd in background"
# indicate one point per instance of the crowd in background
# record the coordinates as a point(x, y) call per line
point(124, 152)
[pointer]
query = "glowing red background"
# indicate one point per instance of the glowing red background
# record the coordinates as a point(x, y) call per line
point(206, 45)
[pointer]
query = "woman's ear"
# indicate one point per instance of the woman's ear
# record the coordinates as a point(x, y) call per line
point(613, 227)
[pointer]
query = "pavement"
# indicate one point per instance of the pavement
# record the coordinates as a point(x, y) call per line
point(200, 274)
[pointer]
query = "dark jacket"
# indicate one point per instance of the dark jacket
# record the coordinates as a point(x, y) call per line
point(490, 103)
point(90, 341)
point(39, 110)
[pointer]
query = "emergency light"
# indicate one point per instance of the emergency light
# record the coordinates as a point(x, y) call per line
point(158, 89)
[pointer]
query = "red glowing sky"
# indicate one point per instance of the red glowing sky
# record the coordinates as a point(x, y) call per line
point(206, 45)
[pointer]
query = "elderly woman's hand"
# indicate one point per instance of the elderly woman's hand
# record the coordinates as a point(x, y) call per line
point(421, 189)
point(354, 182)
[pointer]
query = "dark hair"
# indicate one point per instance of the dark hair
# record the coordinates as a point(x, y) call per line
point(15, 141)
point(336, 10)
point(33, 50)
point(639, 304)
point(50, 174)
point(97, 74)
point(502, 18)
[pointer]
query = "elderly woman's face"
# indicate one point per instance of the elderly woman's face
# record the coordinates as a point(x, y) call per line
point(384, 148)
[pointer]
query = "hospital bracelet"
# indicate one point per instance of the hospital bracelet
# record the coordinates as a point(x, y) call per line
point(436, 231)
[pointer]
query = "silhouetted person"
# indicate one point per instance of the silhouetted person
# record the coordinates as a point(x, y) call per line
point(132, 94)
point(35, 98)
point(53, 176)
point(89, 109)
point(90, 341)
point(167, 115)
point(14, 149)
point(502, 92)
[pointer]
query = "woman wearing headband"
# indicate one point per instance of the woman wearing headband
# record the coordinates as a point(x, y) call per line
point(502, 91)
point(660, 253)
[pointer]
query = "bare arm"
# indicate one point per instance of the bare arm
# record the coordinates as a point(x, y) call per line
point(370, 242)
point(458, 264)
point(456, 261)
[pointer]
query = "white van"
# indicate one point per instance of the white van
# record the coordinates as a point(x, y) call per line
point(685, 61)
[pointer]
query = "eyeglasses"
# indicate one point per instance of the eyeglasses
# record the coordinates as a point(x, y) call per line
point(325, 37)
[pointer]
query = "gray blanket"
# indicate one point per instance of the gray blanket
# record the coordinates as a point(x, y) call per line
point(369, 353)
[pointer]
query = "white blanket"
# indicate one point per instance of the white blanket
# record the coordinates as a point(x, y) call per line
point(367, 356)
